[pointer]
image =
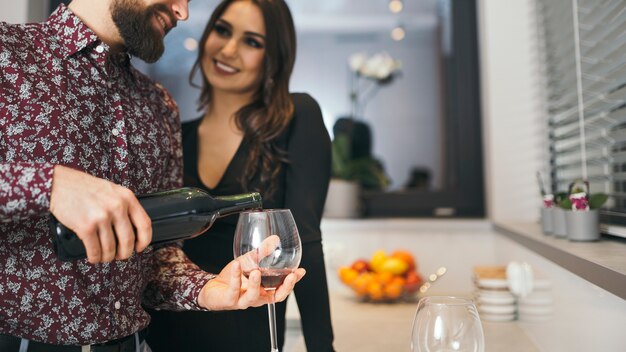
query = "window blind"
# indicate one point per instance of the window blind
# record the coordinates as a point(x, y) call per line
point(583, 50)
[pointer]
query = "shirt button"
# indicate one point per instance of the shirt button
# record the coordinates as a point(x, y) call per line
point(118, 305)
point(99, 49)
point(115, 132)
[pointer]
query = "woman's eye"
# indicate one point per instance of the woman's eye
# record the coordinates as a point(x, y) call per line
point(254, 43)
point(221, 30)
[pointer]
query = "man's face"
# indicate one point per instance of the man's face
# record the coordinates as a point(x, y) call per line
point(143, 24)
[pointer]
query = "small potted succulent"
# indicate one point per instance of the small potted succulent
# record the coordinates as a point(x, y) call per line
point(559, 228)
point(582, 212)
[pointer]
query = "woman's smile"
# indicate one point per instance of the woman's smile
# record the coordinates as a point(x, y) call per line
point(224, 69)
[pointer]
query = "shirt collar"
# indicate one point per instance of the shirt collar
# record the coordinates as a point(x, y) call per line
point(72, 34)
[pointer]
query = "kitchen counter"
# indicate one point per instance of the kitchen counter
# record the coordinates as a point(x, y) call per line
point(601, 262)
point(587, 283)
point(363, 327)
point(374, 327)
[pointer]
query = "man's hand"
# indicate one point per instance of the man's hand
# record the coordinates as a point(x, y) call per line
point(231, 290)
point(101, 213)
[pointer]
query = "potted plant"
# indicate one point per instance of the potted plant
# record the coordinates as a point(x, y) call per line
point(353, 169)
point(353, 166)
point(582, 212)
point(559, 227)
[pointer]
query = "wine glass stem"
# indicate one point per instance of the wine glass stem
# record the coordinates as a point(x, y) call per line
point(271, 310)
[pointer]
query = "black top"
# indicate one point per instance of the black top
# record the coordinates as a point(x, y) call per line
point(302, 186)
point(303, 182)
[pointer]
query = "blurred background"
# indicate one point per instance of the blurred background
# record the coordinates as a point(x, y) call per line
point(403, 115)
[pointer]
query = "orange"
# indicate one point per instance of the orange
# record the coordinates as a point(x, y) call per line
point(398, 280)
point(393, 290)
point(360, 283)
point(375, 291)
point(384, 277)
point(347, 274)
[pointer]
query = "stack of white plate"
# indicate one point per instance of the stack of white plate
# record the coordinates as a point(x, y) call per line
point(539, 304)
point(494, 300)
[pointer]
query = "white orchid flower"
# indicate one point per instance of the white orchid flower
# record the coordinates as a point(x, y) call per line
point(357, 61)
point(379, 66)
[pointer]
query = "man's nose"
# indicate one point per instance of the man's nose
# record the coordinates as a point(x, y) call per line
point(180, 8)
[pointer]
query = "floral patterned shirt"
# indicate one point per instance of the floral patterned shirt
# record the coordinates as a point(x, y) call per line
point(65, 99)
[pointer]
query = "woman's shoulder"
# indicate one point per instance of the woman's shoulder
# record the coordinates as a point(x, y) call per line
point(307, 119)
point(304, 101)
point(307, 111)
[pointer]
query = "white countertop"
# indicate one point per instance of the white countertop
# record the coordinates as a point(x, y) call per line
point(602, 262)
point(364, 327)
point(574, 269)
point(374, 327)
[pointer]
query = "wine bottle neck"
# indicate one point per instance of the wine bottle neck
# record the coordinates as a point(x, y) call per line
point(238, 203)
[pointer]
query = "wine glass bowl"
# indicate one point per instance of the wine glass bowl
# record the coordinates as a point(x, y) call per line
point(268, 241)
point(445, 324)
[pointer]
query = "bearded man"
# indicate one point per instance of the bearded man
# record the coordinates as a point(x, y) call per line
point(82, 132)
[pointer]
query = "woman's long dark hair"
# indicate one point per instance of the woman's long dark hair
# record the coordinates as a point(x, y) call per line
point(271, 110)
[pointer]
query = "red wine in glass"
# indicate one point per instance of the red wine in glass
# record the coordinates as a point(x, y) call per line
point(272, 278)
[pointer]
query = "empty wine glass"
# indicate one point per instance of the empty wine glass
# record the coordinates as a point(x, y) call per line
point(446, 324)
point(268, 241)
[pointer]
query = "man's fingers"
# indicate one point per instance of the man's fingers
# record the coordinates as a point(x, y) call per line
point(253, 291)
point(90, 239)
point(142, 224)
point(290, 281)
point(125, 238)
point(107, 242)
point(251, 259)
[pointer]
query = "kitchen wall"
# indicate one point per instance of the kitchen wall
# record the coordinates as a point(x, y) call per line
point(23, 11)
point(514, 132)
point(513, 121)
point(404, 115)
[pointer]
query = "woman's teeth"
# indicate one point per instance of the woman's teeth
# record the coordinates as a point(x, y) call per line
point(223, 67)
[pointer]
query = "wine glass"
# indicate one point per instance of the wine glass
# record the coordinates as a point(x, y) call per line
point(268, 241)
point(445, 324)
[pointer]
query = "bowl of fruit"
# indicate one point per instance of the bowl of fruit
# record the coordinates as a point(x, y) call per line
point(384, 278)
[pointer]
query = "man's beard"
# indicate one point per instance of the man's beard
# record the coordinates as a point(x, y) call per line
point(137, 30)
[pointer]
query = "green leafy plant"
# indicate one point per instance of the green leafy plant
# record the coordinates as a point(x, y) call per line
point(365, 170)
point(594, 201)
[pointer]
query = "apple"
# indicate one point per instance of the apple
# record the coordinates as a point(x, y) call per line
point(413, 282)
point(361, 265)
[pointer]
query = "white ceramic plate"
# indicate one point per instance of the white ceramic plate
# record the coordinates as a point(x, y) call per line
point(496, 309)
point(492, 283)
point(490, 299)
point(537, 299)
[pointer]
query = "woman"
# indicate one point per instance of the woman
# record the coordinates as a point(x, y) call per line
point(253, 136)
